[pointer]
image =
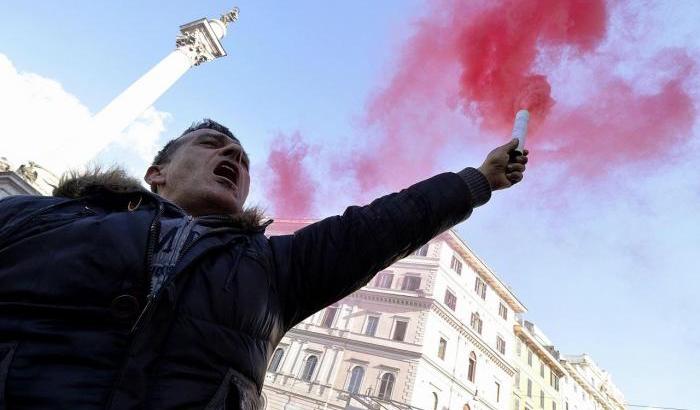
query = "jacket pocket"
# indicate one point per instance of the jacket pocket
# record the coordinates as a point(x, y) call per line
point(7, 350)
point(235, 392)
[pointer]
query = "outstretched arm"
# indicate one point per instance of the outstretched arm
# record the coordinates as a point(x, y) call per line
point(330, 259)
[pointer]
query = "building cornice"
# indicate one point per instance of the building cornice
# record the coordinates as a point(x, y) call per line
point(539, 350)
point(373, 348)
point(403, 298)
point(417, 262)
point(482, 270)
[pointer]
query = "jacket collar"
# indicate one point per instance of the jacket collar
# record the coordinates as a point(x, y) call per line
point(116, 183)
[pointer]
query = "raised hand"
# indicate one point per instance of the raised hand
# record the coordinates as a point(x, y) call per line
point(501, 168)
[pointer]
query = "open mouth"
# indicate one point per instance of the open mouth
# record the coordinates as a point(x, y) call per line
point(227, 171)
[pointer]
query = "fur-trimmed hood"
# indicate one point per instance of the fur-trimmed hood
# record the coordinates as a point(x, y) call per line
point(75, 184)
point(115, 180)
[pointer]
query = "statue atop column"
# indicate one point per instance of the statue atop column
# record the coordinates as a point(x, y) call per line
point(200, 39)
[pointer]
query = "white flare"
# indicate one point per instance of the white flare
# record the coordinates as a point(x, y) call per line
point(522, 117)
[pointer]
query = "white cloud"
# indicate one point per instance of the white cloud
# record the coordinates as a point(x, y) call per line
point(43, 122)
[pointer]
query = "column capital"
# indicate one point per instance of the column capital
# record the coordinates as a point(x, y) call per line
point(200, 40)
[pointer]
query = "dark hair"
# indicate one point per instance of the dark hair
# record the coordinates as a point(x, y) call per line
point(166, 153)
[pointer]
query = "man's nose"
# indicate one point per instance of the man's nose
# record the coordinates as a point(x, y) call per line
point(233, 151)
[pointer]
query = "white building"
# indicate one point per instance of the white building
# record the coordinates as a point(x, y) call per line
point(433, 331)
point(27, 179)
point(589, 387)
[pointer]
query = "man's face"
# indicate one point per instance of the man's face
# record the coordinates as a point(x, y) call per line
point(207, 174)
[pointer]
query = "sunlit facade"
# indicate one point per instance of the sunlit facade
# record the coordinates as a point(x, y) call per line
point(432, 331)
point(589, 387)
point(539, 373)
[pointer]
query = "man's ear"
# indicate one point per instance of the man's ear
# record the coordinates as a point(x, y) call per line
point(154, 177)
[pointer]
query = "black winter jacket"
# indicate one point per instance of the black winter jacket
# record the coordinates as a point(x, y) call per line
point(78, 332)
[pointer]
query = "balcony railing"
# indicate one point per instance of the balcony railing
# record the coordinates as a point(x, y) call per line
point(367, 402)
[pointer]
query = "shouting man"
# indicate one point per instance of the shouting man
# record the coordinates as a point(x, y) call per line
point(113, 297)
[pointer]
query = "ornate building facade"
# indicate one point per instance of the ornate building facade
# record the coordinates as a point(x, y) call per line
point(539, 375)
point(432, 331)
point(589, 387)
point(547, 380)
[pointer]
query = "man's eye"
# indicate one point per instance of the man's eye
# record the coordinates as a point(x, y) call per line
point(210, 143)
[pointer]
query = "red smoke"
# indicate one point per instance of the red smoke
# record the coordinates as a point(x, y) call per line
point(497, 47)
point(290, 187)
point(494, 57)
point(619, 126)
point(480, 61)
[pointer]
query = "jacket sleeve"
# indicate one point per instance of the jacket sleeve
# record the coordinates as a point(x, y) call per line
point(328, 260)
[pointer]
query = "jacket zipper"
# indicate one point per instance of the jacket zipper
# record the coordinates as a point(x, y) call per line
point(152, 298)
point(154, 231)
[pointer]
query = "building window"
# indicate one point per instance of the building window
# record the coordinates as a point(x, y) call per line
point(554, 405)
point(356, 379)
point(329, 316)
point(529, 388)
point(541, 399)
point(456, 265)
point(516, 404)
point(422, 251)
point(371, 325)
point(441, 348)
point(276, 360)
point(529, 357)
point(517, 379)
point(309, 368)
point(450, 300)
point(400, 330)
point(471, 374)
point(480, 287)
point(386, 386)
point(542, 369)
point(435, 401)
point(384, 280)
point(519, 347)
point(503, 311)
point(566, 405)
point(500, 345)
point(498, 392)
point(476, 323)
point(410, 283)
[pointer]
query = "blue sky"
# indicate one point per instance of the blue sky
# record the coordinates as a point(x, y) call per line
point(612, 272)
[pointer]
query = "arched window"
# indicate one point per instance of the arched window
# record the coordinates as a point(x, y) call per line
point(356, 379)
point(309, 368)
point(471, 374)
point(386, 386)
point(276, 360)
point(435, 401)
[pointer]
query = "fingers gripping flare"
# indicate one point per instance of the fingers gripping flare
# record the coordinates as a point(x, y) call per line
point(505, 165)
